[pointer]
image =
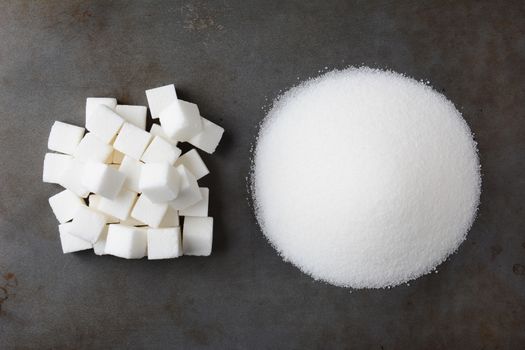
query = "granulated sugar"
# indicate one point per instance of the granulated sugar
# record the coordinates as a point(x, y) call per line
point(364, 178)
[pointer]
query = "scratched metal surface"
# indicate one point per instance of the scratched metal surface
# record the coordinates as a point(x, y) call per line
point(232, 57)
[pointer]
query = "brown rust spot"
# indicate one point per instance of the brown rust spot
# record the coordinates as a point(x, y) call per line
point(81, 14)
point(10, 279)
point(7, 285)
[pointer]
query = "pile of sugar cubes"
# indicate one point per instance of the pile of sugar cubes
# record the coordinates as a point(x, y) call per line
point(125, 187)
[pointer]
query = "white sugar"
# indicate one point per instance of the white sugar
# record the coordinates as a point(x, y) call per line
point(365, 178)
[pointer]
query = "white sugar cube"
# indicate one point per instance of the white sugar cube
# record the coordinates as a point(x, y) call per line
point(194, 163)
point(181, 120)
point(64, 205)
point(159, 98)
point(64, 138)
point(104, 123)
point(201, 207)
point(69, 242)
point(159, 181)
point(100, 245)
point(94, 202)
point(71, 178)
point(116, 157)
point(148, 212)
point(189, 192)
point(135, 115)
point(126, 242)
point(132, 169)
point(101, 179)
point(197, 237)
point(164, 243)
point(92, 148)
point(160, 150)
point(120, 206)
point(156, 130)
point(208, 139)
point(54, 166)
point(132, 141)
point(88, 224)
point(93, 102)
point(171, 219)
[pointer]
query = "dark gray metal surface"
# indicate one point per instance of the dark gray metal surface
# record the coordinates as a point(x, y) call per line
point(231, 58)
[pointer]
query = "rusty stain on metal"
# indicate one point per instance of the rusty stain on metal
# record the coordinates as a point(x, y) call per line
point(8, 284)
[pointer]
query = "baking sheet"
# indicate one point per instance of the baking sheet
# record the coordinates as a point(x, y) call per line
point(232, 58)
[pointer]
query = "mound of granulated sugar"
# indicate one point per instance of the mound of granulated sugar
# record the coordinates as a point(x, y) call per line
point(365, 178)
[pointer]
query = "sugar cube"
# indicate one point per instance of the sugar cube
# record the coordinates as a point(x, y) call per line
point(189, 192)
point(171, 218)
point(100, 245)
point(93, 102)
point(64, 138)
point(208, 139)
point(54, 165)
point(120, 206)
point(71, 178)
point(194, 163)
point(156, 130)
point(159, 181)
point(88, 224)
point(164, 243)
point(159, 98)
point(201, 207)
point(104, 123)
point(101, 179)
point(92, 148)
point(126, 242)
point(197, 235)
point(71, 243)
point(64, 205)
point(94, 202)
point(132, 141)
point(116, 157)
point(135, 115)
point(181, 120)
point(148, 212)
point(132, 169)
point(160, 150)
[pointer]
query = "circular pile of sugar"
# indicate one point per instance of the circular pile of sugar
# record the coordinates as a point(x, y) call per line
point(365, 178)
